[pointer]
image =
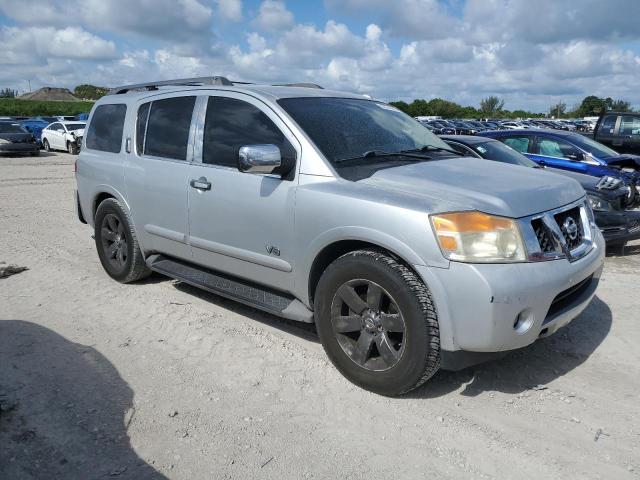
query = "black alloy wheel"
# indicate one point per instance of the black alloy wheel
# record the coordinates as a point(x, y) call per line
point(114, 241)
point(368, 325)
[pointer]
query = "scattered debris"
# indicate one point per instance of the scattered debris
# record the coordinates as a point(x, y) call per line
point(11, 270)
point(599, 433)
point(173, 413)
point(265, 463)
point(6, 403)
point(25, 436)
point(440, 419)
point(539, 387)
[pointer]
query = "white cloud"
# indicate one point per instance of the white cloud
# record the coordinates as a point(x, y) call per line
point(273, 16)
point(230, 9)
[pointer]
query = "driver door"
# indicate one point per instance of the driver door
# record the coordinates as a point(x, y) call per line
point(557, 153)
point(241, 223)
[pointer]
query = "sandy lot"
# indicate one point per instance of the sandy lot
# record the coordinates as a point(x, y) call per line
point(159, 380)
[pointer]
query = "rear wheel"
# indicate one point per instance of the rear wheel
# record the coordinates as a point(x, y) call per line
point(377, 322)
point(117, 244)
point(45, 144)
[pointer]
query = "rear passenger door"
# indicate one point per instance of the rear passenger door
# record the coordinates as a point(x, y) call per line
point(241, 223)
point(157, 172)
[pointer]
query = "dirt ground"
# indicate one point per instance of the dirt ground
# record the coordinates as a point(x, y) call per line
point(159, 380)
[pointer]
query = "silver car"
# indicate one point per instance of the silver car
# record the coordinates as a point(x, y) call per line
point(336, 209)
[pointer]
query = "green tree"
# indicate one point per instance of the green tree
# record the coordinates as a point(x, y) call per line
point(592, 106)
point(558, 109)
point(8, 93)
point(90, 92)
point(620, 106)
point(491, 104)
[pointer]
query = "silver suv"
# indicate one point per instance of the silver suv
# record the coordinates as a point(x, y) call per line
point(335, 209)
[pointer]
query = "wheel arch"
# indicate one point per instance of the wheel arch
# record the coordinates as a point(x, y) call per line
point(102, 193)
point(332, 250)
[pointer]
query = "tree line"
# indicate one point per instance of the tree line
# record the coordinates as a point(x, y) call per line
point(493, 107)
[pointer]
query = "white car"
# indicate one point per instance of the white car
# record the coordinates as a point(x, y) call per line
point(63, 136)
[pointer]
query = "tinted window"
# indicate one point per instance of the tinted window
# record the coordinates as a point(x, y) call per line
point(105, 129)
point(519, 144)
point(168, 127)
point(141, 126)
point(345, 127)
point(608, 124)
point(11, 128)
point(630, 126)
point(74, 126)
point(232, 123)
point(556, 148)
point(55, 126)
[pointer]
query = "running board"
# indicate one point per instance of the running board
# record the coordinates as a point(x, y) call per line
point(272, 301)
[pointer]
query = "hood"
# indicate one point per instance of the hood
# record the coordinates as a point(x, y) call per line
point(475, 184)
point(624, 160)
point(78, 133)
point(588, 182)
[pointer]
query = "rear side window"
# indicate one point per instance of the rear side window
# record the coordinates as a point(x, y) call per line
point(519, 144)
point(141, 126)
point(167, 129)
point(105, 129)
point(630, 126)
point(231, 124)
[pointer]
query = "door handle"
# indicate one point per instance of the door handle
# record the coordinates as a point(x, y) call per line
point(200, 184)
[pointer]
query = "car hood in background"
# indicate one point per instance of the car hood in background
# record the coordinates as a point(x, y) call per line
point(475, 184)
point(624, 160)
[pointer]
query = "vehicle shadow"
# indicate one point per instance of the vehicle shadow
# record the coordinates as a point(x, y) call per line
point(62, 410)
point(306, 331)
point(538, 364)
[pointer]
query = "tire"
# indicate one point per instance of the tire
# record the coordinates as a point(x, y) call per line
point(72, 148)
point(117, 244)
point(45, 144)
point(390, 297)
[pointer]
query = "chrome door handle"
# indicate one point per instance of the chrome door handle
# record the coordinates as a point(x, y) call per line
point(200, 184)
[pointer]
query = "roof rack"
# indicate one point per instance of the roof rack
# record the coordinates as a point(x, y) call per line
point(301, 84)
point(181, 81)
point(216, 80)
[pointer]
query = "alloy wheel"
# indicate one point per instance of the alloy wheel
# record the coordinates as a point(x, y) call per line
point(368, 325)
point(114, 241)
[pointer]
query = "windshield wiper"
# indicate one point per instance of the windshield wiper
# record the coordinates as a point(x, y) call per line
point(433, 148)
point(378, 154)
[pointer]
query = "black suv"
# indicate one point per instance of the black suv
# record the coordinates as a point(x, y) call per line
point(619, 129)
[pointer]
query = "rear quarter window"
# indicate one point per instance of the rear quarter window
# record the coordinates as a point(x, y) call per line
point(105, 129)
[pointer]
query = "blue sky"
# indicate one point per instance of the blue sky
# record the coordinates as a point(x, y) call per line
point(531, 53)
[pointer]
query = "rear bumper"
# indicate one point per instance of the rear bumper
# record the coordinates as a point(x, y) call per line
point(497, 308)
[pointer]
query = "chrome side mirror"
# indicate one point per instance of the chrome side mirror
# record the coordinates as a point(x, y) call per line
point(259, 158)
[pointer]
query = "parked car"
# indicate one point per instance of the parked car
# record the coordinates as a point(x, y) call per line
point(405, 263)
point(613, 203)
point(65, 118)
point(619, 130)
point(438, 127)
point(572, 151)
point(15, 140)
point(82, 116)
point(512, 125)
point(462, 128)
point(46, 119)
point(34, 127)
point(63, 136)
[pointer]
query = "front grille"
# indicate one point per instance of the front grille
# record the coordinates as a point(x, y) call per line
point(566, 298)
point(544, 238)
point(570, 224)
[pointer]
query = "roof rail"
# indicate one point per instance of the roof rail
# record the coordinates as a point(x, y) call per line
point(301, 84)
point(181, 81)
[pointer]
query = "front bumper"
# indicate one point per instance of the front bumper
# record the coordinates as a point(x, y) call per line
point(502, 307)
point(19, 148)
point(619, 227)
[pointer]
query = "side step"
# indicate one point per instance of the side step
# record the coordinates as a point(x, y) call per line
point(272, 301)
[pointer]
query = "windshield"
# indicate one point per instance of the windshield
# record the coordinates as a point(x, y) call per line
point(11, 128)
point(498, 151)
point(594, 148)
point(346, 127)
point(74, 126)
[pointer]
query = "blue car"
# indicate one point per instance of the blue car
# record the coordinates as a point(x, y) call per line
point(34, 126)
point(571, 151)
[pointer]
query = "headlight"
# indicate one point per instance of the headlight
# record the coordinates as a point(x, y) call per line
point(598, 204)
point(476, 237)
point(3, 141)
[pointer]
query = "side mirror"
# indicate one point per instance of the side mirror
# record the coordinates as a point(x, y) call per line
point(576, 157)
point(259, 158)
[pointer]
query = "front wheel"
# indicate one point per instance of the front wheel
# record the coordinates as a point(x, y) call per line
point(45, 144)
point(72, 148)
point(377, 322)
